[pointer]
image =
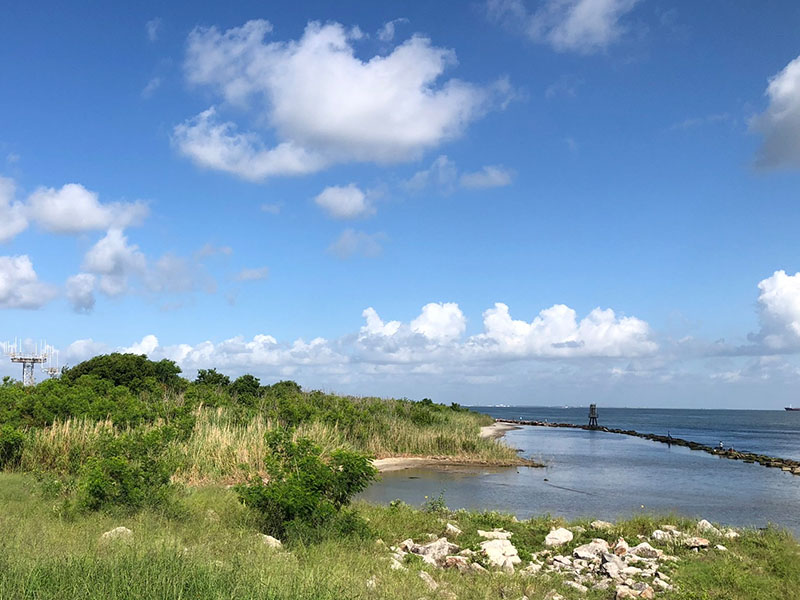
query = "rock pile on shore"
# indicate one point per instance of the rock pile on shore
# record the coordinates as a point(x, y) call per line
point(631, 568)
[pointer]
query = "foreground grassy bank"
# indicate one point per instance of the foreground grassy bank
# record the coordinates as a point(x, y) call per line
point(212, 549)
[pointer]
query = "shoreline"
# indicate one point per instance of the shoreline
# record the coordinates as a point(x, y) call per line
point(494, 431)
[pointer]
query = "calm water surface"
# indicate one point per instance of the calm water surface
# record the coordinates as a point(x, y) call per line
point(608, 476)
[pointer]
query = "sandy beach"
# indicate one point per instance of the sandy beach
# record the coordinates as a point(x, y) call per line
point(398, 463)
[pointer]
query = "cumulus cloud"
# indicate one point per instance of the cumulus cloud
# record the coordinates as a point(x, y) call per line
point(779, 124)
point(779, 312)
point(256, 274)
point(557, 332)
point(321, 103)
point(357, 243)
point(80, 292)
point(71, 209)
point(582, 26)
point(440, 321)
point(20, 286)
point(74, 209)
point(434, 343)
point(221, 146)
point(81, 350)
point(115, 262)
point(345, 202)
point(12, 214)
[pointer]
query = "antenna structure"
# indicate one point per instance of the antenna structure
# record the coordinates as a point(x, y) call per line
point(40, 354)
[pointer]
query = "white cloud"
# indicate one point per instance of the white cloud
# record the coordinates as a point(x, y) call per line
point(153, 28)
point(151, 87)
point(557, 332)
point(81, 350)
point(443, 176)
point(322, 103)
point(431, 345)
point(488, 177)
point(256, 274)
point(20, 286)
point(779, 312)
point(779, 124)
point(80, 292)
point(74, 209)
point(375, 326)
point(220, 146)
point(565, 86)
point(357, 243)
point(115, 261)
point(147, 345)
point(345, 202)
point(12, 214)
point(386, 33)
point(583, 26)
point(440, 321)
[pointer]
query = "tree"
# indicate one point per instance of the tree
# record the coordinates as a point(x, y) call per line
point(212, 377)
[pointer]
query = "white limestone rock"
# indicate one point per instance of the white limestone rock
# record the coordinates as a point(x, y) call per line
point(558, 537)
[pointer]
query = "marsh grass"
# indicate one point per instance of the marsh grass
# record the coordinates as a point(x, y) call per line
point(213, 551)
point(221, 447)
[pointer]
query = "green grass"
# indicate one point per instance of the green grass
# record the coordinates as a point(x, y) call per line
point(222, 449)
point(212, 550)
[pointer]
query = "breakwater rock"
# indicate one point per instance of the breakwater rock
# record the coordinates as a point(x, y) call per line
point(785, 464)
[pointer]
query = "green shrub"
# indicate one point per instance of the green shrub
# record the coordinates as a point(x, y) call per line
point(12, 440)
point(305, 493)
point(130, 470)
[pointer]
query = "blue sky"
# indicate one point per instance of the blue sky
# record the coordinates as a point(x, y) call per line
point(340, 193)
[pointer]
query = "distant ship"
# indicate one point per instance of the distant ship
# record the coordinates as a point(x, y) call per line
point(790, 407)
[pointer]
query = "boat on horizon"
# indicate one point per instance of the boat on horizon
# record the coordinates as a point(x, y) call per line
point(791, 408)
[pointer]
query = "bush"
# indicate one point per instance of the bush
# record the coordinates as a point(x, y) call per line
point(131, 470)
point(12, 440)
point(305, 493)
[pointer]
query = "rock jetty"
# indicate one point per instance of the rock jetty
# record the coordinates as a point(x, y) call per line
point(785, 464)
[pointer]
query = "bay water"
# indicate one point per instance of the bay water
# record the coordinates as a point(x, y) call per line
point(611, 476)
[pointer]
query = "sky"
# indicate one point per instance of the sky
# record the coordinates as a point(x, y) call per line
point(549, 202)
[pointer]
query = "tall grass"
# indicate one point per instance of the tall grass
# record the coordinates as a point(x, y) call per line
point(214, 552)
point(221, 448)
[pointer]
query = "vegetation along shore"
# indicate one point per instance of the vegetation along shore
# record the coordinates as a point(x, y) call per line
point(124, 480)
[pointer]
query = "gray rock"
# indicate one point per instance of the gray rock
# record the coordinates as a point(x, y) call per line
point(706, 527)
point(589, 551)
point(435, 552)
point(271, 542)
point(576, 586)
point(495, 534)
point(452, 530)
point(696, 542)
point(645, 550)
point(429, 581)
point(498, 551)
point(118, 533)
point(558, 537)
point(601, 525)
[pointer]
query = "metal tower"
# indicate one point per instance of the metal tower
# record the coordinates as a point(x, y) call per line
point(28, 359)
point(593, 416)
